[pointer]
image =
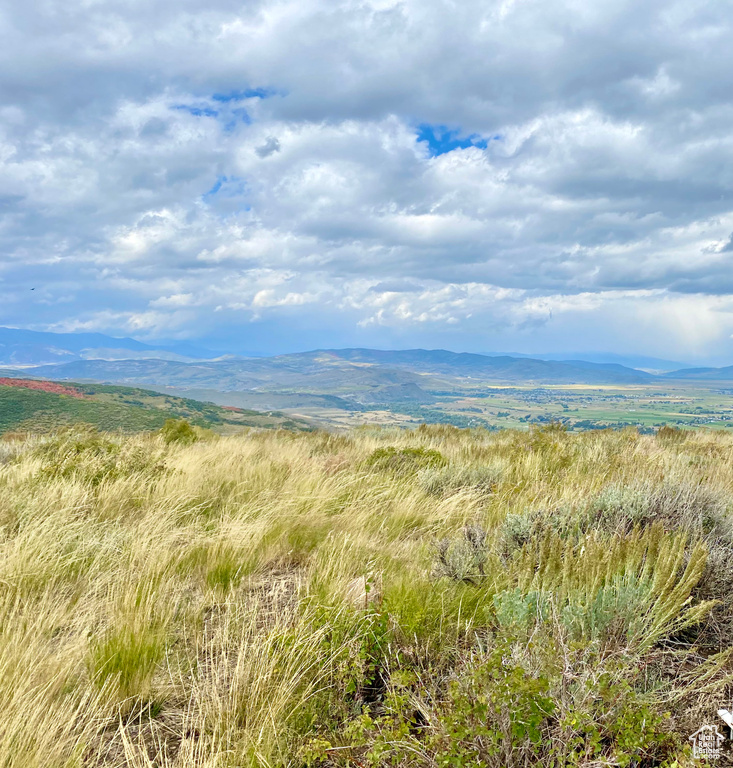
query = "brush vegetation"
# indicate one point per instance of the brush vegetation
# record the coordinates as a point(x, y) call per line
point(436, 598)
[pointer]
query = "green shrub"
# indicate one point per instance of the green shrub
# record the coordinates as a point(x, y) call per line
point(610, 718)
point(178, 431)
point(519, 528)
point(516, 612)
point(493, 713)
point(496, 709)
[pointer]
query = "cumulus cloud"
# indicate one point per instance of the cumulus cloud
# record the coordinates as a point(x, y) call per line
point(484, 175)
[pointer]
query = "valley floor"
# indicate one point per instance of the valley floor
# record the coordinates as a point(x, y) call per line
point(433, 598)
point(689, 404)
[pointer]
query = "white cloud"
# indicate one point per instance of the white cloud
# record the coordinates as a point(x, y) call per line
point(146, 186)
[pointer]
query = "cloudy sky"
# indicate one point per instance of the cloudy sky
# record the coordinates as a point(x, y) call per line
point(271, 176)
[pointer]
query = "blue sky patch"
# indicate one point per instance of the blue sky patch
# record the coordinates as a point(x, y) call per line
point(196, 111)
point(225, 186)
point(217, 186)
point(234, 117)
point(247, 93)
point(230, 118)
point(441, 139)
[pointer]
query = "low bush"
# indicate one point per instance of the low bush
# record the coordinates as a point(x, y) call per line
point(178, 431)
point(691, 507)
point(463, 558)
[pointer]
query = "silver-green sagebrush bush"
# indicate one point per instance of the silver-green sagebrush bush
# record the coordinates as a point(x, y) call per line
point(437, 598)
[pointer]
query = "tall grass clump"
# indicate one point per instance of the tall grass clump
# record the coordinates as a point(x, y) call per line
point(444, 480)
point(436, 597)
point(404, 460)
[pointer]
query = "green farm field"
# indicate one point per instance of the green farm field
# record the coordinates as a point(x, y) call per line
point(578, 407)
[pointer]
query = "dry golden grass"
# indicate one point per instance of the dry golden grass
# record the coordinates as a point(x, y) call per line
point(282, 599)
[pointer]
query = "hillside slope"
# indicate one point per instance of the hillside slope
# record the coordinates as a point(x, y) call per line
point(36, 406)
point(702, 374)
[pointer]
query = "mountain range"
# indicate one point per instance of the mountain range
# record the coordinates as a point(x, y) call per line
point(366, 375)
point(20, 347)
point(344, 377)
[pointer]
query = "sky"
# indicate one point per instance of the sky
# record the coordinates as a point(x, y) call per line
point(273, 176)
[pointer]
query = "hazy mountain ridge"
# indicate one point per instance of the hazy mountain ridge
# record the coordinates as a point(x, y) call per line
point(707, 374)
point(27, 348)
point(338, 372)
point(501, 367)
point(360, 376)
point(640, 362)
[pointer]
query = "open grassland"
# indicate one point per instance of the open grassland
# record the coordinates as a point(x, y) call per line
point(379, 598)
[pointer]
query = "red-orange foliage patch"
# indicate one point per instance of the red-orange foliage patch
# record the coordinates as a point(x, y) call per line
point(231, 408)
point(43, 386)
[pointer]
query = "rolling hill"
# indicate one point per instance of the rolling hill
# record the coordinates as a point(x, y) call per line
point(38, 406)
point(364, 374)
point(502, 368)
point(703, 374)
